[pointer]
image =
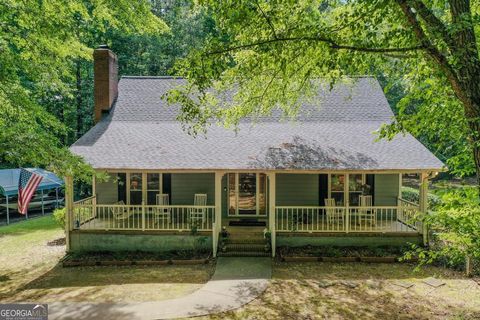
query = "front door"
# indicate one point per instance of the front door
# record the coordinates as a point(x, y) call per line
point(246, 194)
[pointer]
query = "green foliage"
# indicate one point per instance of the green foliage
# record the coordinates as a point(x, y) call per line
point(59, 217)
point(274, 52)
point(413, 195)
point(41, 45)
point(456, 229)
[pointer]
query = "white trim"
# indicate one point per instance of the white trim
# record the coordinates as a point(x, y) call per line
point(229, 170)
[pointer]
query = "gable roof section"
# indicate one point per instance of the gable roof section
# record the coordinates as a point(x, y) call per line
point(334, 131)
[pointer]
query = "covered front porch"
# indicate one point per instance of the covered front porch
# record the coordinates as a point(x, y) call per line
point(300, 203)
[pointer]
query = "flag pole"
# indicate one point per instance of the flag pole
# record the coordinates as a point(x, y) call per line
point(8, 211)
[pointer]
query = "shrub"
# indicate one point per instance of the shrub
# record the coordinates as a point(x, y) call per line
point(413, 195)
point(455, 226)
point(59, 217)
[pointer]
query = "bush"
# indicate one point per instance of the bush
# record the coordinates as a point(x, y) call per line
point(59, 217)
point(413, 195)
point(455, 226)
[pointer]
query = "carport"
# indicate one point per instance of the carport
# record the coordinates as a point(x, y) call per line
point(9, 186)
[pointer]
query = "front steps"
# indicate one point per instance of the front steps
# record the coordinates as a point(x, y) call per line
point(244, 242)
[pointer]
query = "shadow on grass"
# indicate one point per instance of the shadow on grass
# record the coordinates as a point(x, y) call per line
point(59, 277)
point(304, 299)
point(359, 271)
point(298, 292)
point(79, 311)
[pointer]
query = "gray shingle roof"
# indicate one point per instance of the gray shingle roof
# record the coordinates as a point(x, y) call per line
point(337, 134)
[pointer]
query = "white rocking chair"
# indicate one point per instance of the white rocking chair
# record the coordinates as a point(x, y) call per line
point(162, 213)
point(121, 215)
point(121, 212)
point(366, 212)
point(333, 214)
point(199, 214)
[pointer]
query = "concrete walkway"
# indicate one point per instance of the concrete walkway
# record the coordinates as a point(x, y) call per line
point(236, 282)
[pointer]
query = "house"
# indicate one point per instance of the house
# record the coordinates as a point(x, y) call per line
point(321, 179)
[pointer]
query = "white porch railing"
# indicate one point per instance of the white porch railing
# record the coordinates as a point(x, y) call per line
point(83, 210)
point(409, 214)
point(142, 217)
point(343, 220)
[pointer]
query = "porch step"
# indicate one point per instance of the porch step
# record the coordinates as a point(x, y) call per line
point(243, 243)
point(256, 240)
point(245, 247)
point(244, 254)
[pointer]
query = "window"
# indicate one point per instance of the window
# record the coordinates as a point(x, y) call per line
point(355, 188)
point(135, 188)
point(153, 187)
point(337, 188)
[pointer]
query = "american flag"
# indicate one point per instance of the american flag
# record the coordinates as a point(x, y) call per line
point(27, 184)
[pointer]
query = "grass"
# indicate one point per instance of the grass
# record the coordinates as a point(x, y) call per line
point(44, 223)
point(29, 271)
point(113, 284)
point(296, 293)
point(25, 254)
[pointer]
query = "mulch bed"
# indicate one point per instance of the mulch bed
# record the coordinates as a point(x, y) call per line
point(342, 254)
point(135, 259)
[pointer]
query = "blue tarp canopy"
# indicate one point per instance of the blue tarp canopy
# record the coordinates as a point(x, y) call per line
point(9, 180)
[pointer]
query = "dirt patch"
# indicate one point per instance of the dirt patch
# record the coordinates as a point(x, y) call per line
point(57, 242)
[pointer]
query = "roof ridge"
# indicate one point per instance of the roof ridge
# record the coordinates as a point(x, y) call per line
point(179, 77)
point(151, 77)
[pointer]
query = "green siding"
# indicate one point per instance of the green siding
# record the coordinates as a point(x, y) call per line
point(84, 241)
point(386, 189)
point(107, 191)
point(297, 190)
point(185, 185)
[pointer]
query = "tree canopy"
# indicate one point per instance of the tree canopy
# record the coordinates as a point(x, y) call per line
point(425, 53)
point(40, 44)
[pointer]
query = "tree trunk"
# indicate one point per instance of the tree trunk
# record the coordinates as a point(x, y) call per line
point(463, 73)
point(468, 73)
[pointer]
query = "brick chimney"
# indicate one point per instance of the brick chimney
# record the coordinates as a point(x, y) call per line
point(105, 70)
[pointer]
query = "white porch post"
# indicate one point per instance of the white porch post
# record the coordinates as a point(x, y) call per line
point(69, 209)
point(424, 203)
point(217, 225)
point(144, 198)
point(271, 210)
point(94, 195)
point(346, 200)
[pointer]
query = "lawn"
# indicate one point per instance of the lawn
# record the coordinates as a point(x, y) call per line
point(29, 271)
point(25, 253)
point(301, 291)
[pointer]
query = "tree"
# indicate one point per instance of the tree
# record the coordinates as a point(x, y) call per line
point(41, 43)
point(271, 50)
